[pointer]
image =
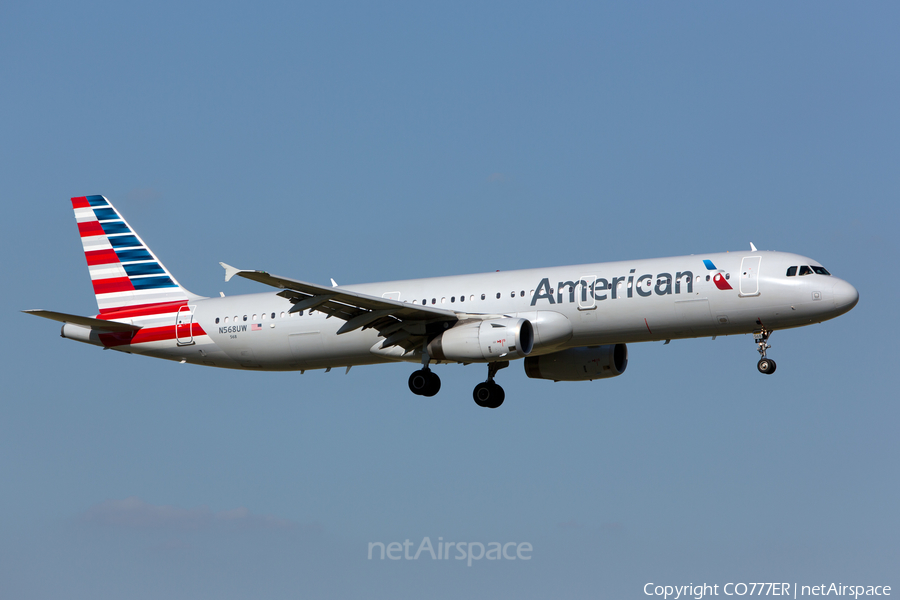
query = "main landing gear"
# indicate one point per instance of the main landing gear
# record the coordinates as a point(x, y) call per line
point(488, 394)
point(424, 382)
point(765, 365)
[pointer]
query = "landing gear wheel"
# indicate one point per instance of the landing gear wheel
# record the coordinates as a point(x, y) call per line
point(418, 382)
point(424, 383)
point(434, 385)
point(488, 395)
point(766, 366)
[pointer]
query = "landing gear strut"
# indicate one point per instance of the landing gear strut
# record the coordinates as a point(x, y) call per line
point(423, 382)
point(488, 394)
point(765, 365)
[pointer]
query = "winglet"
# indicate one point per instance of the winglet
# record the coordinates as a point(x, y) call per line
point(752, 247)
point(230, 271)
point(333, 282)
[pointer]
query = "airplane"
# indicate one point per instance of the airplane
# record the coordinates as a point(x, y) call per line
point(570, 323)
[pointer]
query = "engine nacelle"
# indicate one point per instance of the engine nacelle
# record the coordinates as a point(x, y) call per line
point(579, 364)
point(484, 341)
point(550, 328)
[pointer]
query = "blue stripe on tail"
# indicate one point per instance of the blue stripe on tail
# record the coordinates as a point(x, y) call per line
point(133, 255)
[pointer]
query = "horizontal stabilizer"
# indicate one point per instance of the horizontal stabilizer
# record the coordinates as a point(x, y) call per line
point(98, 324)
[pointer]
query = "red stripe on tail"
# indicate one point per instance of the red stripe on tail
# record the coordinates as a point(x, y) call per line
point(141, 310)
point(147, 334)
point(89, 228)
point(101, 257)
point(80, 202)
point(113, 284)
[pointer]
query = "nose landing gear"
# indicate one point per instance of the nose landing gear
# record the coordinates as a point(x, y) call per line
point(765, 365)
point(488, 394)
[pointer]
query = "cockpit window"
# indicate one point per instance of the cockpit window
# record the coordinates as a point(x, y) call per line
point(791, 271)
point(820, 270)
point(804, 270)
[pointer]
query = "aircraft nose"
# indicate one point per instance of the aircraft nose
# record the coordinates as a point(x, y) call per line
point(845, 295)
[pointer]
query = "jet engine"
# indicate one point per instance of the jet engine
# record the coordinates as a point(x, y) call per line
point(579, 364)
point(484, 341)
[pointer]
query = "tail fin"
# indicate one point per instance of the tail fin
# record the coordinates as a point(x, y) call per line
point(125, 273)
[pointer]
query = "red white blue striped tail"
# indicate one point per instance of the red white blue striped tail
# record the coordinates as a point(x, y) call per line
point(124, 271)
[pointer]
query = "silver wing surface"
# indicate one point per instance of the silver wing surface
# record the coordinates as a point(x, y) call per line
point(401, 324)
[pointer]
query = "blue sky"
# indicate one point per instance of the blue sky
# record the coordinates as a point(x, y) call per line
point(366, 143)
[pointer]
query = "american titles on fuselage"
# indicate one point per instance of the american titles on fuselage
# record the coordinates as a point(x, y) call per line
point(601, 288)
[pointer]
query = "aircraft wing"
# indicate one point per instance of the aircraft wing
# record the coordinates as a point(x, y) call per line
point(400, 323)
point(98, 324)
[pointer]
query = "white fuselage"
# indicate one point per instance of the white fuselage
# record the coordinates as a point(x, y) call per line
point(602, 303)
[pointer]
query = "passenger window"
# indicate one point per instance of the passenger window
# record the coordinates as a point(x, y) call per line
point(263, 317)
point(452, 299)
point(217, 320)
point(820, 270)
point(273, 315)
point(482, 296)
point(282, 314)
point(424, 301)
point(226, 319)
point(444, 300)
point(804, 270)
point(462, 298)
point(707, 277)
point(522, 293)
point(434, 300)
point(498, 295)
point(512, 294)
point(792, 271)
point(254, 318)
point(727, 275)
